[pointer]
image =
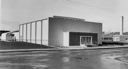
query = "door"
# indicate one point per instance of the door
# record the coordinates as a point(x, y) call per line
point(85, 40)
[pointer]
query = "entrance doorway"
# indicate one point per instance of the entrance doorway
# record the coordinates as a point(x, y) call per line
point(85, 40)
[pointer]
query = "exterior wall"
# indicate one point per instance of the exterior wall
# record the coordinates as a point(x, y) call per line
point(34, 32)
point(28, 32)
point(116, 38)
point(3, 36)
point(45, 29)
point(20, 33)
point(16, 35)
point(24, 33)
point(107, 38)
point(121, 38)
point(38, 35)
point(10, 36)
point(124, 38)
point(65, 38)
point(55, 30)
point(58, 25)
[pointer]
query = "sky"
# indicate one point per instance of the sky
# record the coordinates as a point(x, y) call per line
point(107, 12)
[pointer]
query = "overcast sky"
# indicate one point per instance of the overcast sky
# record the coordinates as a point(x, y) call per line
point(108, 12)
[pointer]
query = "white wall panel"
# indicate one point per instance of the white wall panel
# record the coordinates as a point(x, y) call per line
point(65, 38)
point(20, 30)
point(45, 32)
point(33, 33)
point(24, 32)
point(28, 32)
point(16, 35)
point(38, 32)
point(3, 36)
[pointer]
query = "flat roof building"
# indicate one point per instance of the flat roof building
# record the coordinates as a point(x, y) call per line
point(10, 36)
point(121, 38)
point(61, 31)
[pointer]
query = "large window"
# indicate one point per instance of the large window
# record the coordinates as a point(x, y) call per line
point(85, 40)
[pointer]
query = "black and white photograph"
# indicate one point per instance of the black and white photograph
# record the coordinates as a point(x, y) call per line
point(63, 34)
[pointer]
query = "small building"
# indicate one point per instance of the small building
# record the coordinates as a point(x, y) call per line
point(120, 38)
point(16, 35)
point(2, 32)
point(107, 38)
point(61, 31)
point(10, 36)
point(7, 36)
point(3, 36)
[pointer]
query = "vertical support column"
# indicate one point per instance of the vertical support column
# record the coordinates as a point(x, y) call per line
point(66, 36)
point(122, 25)
point(19, 32)
point(22, 32)
point(91, 39)
point(30, 32)
point(35, 31)
point(26, 32)
point(41, 31)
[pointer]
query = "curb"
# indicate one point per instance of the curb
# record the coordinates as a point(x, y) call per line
point(59, 49)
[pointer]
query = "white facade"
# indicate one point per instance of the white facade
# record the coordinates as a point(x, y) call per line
point(16, 35)
point(66, 39)
point(3, 36)
point(34, 32)
point(59, 27)
point(116, 38)
point(58, 31)
point(121, 38)
point(7, 37)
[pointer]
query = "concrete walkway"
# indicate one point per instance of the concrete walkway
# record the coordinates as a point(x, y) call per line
point(98, 47)
point(59, 49)
point(24, 50)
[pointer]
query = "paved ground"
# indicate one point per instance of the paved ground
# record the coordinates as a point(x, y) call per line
point(58, 49)
point(23, 46)
point(66, 59)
